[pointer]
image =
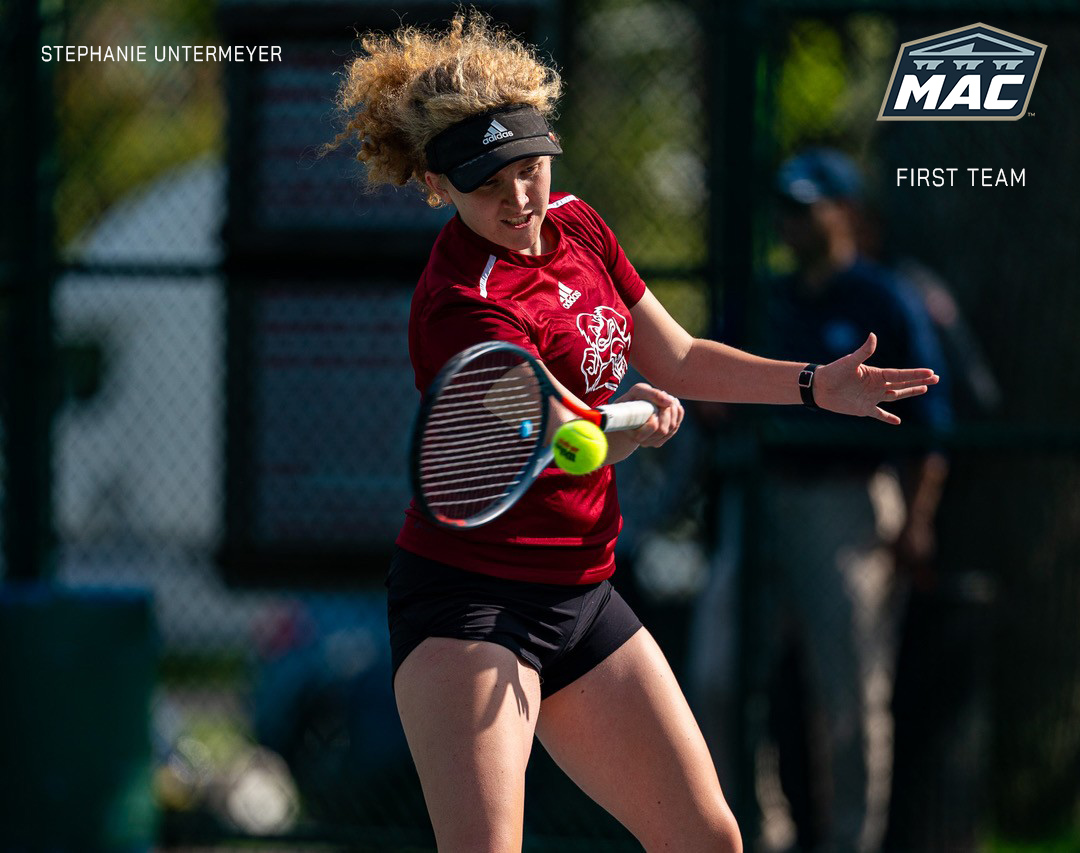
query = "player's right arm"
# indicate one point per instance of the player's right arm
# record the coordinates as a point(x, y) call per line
point(658, 429)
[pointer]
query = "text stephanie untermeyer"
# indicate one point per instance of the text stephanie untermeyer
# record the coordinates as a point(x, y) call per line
point(161, 53)
point(952, 176)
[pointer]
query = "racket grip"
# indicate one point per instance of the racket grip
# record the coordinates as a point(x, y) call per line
point(618, 416)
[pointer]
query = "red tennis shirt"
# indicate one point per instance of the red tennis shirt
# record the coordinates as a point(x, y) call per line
point(569, 307)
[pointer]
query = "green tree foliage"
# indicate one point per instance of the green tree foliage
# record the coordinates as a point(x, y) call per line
point(826, 78)
point(634, 126)
point(121, 124)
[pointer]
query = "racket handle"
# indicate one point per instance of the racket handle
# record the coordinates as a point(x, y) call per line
point(618, 416)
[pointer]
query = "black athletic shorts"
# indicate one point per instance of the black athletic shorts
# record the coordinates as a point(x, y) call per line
point(561, 631)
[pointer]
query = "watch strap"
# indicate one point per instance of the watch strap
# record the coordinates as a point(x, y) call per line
point(806, 385)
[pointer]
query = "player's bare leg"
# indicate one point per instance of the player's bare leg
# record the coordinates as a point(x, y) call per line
point(625, 734)
point(469, 711)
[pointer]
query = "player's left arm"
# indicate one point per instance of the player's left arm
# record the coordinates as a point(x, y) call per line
point(699, 369)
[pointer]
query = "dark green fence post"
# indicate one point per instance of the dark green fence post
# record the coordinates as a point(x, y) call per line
point(734, 32)
point(28, 362)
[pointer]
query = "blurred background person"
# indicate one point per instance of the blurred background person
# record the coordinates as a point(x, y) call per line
point(839, 512)
point(940, 692)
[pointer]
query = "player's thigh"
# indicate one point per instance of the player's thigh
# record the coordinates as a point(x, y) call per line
point(625, 734)
point(469, 711)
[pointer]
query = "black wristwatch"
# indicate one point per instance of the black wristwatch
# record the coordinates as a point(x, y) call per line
point(806, 385)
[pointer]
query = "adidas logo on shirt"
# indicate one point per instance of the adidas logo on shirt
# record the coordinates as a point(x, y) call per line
point(495, 132)
point(567, 296)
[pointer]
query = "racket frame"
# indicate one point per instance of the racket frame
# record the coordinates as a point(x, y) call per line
point(449, 370)
point(609, 417)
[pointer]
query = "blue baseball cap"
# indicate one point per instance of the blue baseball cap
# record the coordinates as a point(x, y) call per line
point(817, 174)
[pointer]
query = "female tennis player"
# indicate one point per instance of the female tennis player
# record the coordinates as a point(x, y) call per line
point(512, 630)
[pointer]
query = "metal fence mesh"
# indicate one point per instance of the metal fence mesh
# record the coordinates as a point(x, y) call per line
point(221, 350)
point(1011, 492)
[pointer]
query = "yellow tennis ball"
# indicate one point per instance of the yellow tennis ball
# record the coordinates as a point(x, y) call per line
point(579, 447)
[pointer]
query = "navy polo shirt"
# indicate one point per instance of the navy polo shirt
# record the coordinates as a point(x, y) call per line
point(834, 320)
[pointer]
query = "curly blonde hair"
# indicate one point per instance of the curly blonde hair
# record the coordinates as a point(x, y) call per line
point(411, 85)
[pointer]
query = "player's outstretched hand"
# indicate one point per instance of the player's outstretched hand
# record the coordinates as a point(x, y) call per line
point(852, 387)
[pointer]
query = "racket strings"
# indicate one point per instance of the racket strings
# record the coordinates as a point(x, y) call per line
point(506, 403)
point(480, 436)
point(455, 440)
point(453, 421)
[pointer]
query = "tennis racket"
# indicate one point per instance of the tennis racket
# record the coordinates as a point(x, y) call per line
point(481, 435)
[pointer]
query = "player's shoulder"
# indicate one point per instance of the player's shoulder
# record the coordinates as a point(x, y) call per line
point(445, 288)
point(572, 209)
point(455, 260)
point(444, 284)
point(579, 219)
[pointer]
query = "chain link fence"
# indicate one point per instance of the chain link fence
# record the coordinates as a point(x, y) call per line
point(979, 649)
point(221, 299)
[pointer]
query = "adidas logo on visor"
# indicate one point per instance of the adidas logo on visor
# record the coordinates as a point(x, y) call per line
point(495, 132)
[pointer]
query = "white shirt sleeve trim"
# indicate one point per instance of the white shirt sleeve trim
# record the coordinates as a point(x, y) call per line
point(484, 277)
point(562, 201)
